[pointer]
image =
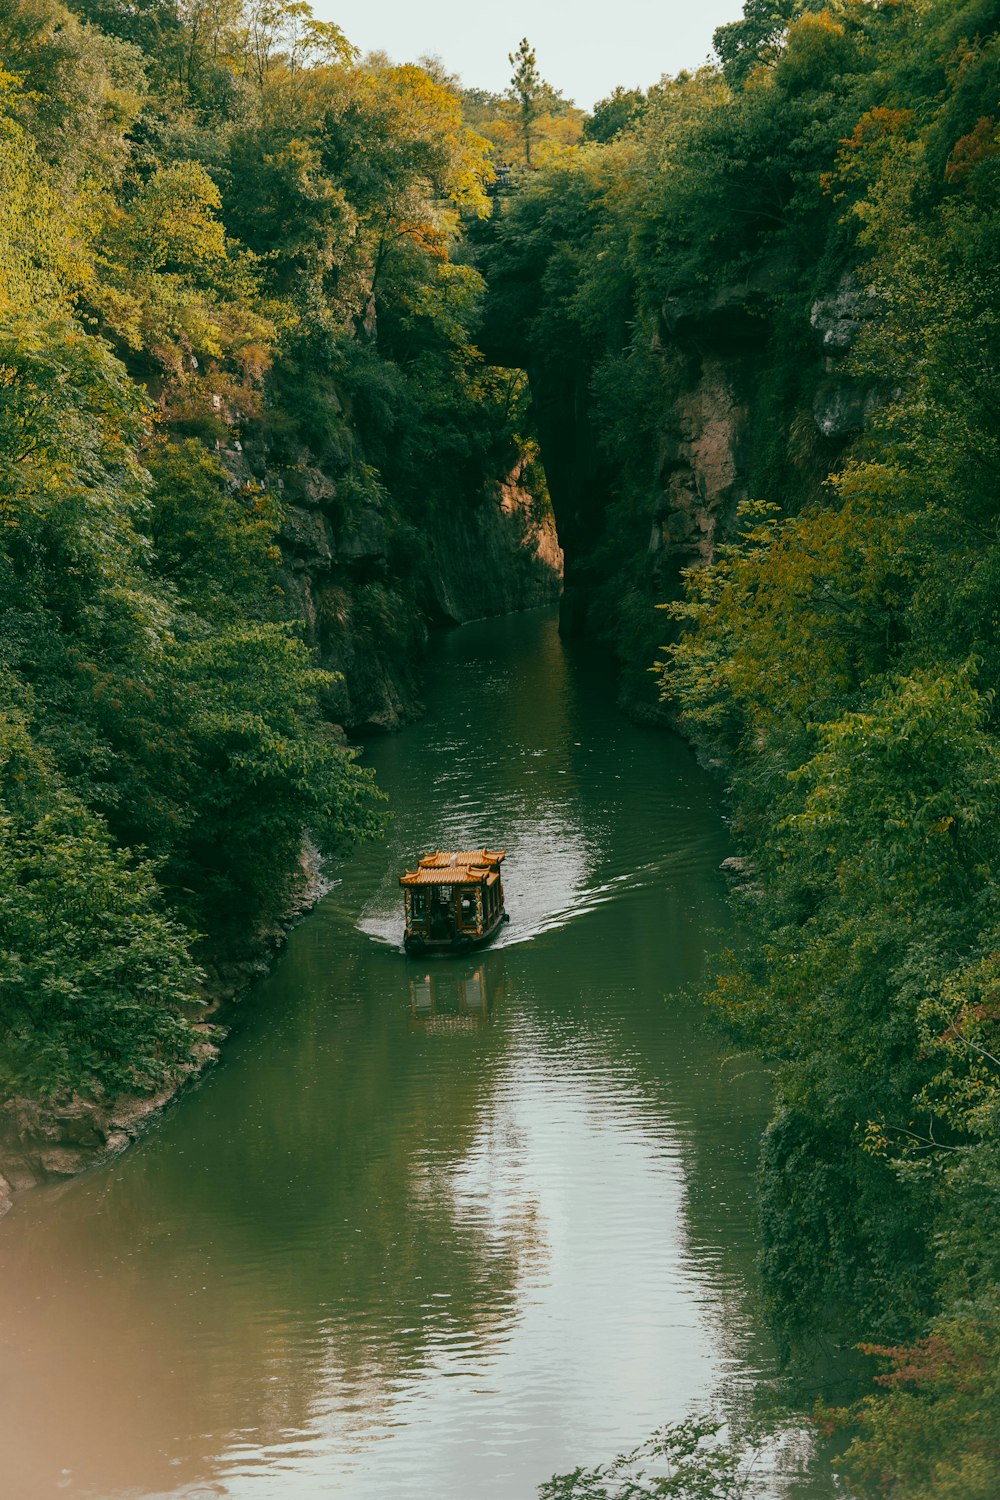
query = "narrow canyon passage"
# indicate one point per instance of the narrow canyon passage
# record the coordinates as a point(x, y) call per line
point(436, 1229)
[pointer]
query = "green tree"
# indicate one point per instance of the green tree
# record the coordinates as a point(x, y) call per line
point(97, 979)
point(288, 30)
point(610, 116)
point(526, 92)
point(756, 38)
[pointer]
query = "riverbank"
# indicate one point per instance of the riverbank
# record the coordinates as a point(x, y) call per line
point(51, 1140)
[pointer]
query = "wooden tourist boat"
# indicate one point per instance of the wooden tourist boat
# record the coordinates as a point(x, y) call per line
point(454, 902)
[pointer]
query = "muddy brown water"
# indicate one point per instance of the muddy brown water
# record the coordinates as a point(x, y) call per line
point(434, 1229)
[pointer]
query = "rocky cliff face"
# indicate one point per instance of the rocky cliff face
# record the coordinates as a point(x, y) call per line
point(369, 584)
point(735, 417)
point(45, 1143)
point(500, 556)
point(700, 464)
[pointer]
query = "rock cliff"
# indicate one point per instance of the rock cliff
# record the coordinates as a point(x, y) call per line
point(739, 408)
point(368, 580)
point(369, 584)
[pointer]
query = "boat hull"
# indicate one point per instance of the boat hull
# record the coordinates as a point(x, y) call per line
point(419, 946)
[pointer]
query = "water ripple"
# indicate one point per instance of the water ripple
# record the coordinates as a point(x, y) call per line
point(446, 1227)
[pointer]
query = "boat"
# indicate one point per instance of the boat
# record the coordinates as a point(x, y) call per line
point(453, 902)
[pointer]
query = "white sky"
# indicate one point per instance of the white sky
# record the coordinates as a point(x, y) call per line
point(584, 49)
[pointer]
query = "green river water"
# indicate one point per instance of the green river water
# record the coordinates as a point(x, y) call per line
point(429, 1231)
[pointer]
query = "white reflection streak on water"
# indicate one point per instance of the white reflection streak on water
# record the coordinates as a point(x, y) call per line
point(549, 864)
point(554, 1123)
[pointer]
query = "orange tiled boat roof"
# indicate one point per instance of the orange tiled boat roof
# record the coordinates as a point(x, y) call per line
point(467, 867)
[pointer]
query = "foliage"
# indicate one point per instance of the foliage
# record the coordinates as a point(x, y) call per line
point(228, 273)
point(756, 39)
point(214, 541)
point(610, 116)
point(525, 91)
point(933, 1428)
point(180, 301)
point(248, 769)
point(96, 977)
point(531, 124)
point(39, 231)
point(681, 1462)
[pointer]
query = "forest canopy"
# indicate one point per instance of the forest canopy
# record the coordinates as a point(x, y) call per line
point(227, 275)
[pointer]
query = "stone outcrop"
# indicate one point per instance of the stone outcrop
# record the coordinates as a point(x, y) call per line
point(369, 587)
point(715, 367)
point(721, 366)
point(700, 474)
point(842, 404)
point(502, 555)
point(43, 1143)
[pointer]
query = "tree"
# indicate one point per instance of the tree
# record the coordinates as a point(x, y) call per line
point(614, 114)
point(756, 40)
point(526, 89)
point(173, 285)
point(287, 29)
point(95, 978)
point(685, 1461)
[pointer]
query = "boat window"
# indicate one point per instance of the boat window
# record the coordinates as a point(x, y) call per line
point(418, 904)
point(468, 906)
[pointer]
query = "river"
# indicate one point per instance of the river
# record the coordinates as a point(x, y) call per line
point(429, 1230)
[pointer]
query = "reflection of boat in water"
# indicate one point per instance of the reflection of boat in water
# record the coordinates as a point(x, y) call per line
point(454, 902)
point(447, 1001)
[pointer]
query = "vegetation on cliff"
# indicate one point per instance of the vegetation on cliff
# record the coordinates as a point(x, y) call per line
point(841, 658)
point(226, 279)
point(775, 286)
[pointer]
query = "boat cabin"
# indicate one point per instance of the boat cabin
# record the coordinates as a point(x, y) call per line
point(453, 902)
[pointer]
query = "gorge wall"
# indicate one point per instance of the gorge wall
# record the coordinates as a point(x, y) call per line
point(369, 586)
point(719, 412)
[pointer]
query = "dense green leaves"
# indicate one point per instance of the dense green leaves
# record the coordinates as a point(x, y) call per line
point(95, 977)
point(226, 270)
